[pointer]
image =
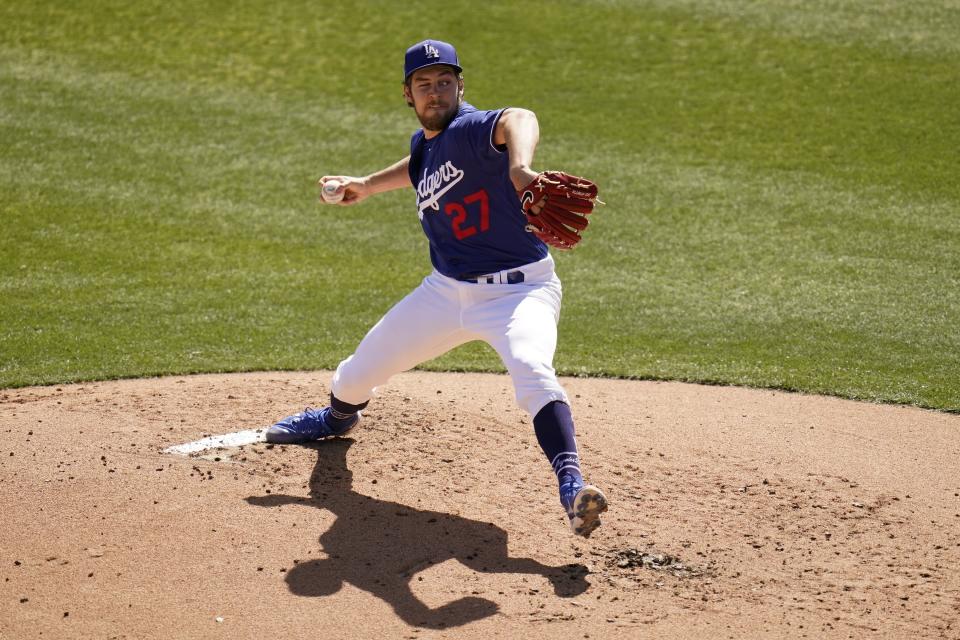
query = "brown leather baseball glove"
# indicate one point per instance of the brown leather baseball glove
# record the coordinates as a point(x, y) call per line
point(556, 205)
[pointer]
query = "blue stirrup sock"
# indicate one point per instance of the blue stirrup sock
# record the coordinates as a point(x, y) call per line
point(555, 432)
point(342, 413)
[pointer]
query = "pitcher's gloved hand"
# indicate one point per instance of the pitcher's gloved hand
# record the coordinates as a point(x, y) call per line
point(556, 205)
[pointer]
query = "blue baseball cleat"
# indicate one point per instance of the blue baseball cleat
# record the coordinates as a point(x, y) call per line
point(584, 504)
point(308, 426)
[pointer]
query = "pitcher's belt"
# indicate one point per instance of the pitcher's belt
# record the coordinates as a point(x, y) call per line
point(510, 276)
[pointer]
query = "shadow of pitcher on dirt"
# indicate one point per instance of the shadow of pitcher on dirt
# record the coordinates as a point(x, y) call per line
point(380, 546)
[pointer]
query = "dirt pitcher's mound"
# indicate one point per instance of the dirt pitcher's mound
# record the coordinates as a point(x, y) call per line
point(734, 513)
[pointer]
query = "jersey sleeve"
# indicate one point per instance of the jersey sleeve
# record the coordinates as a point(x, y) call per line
point(416, 156)
point(480, 133)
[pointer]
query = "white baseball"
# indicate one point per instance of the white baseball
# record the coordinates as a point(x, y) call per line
point(329, 192)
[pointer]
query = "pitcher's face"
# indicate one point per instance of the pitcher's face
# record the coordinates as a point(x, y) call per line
point(434, 93)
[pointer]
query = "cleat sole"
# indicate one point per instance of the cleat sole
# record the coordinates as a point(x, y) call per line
point(587, 507)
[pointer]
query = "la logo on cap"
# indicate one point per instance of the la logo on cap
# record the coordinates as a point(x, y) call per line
point(430, 51)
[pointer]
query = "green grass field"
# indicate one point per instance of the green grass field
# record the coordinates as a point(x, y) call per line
point(782, 180)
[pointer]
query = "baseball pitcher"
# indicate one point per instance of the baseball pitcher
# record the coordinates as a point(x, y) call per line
point(489, 219)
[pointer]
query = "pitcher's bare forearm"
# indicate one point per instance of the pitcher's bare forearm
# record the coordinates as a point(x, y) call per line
point(393, 177)
point(357, 189)
point(519, 130)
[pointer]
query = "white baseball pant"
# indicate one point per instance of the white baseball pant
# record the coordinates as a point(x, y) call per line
point(518, 320)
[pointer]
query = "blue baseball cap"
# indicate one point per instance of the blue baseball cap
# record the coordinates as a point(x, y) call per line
point(428, 53)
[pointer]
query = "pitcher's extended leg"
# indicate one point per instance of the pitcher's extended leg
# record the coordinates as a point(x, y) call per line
point(422, 326)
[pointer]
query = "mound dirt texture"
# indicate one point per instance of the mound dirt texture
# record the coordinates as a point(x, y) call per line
point(734, 513)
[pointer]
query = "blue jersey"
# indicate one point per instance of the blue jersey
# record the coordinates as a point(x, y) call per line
point(468, 206)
